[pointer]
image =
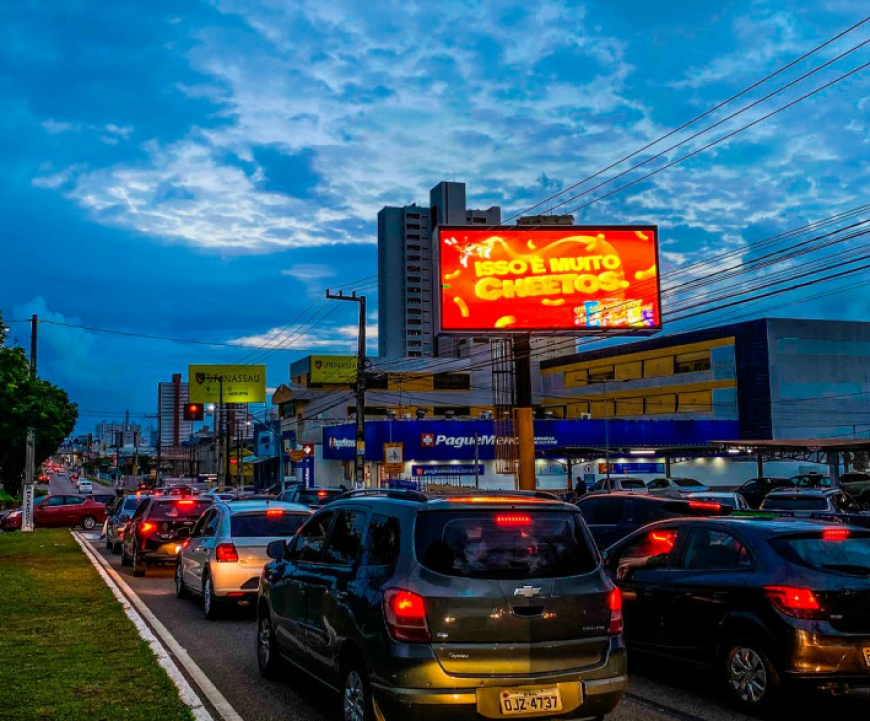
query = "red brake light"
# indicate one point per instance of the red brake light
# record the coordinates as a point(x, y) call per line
point(185, 543)
point(321, 494)
point(614, 602)
point(835, 534)
point(513, 519)
point(147, 527)
point(796, 602)
point(405, 613)
point(226, 553)
point(705, 506)
point(184, 503)
point(275, 512)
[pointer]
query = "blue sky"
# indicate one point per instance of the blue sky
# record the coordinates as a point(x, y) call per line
point(204, 169)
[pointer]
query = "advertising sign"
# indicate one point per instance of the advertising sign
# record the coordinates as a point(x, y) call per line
point(565, 279)
point(332, 369)
point(241, 384)
point(305, 471)
point(27, 508)
point(435, 470)
point(629, 468)
point(394, 458)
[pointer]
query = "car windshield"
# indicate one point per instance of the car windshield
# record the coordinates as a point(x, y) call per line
point(131, 503)
point(175, 510)
point(795, 503)
point(811, 481)
point(320, 497)
point(835, 550)
point(264, 524)
point(631, 483)
point(514, 544)
point(687, 483)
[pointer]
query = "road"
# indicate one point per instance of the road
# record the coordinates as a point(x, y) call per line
point(224, 650)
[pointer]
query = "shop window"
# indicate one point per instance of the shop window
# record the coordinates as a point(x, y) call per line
point(451, 382)
point(658, 367)
point(602, 373)
point(665, 403)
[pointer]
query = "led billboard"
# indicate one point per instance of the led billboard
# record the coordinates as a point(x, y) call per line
point(565, 279)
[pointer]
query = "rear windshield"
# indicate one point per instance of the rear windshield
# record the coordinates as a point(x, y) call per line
point(640, 485)
point(504, 544)
point(261, 525)
point(794, 503)
point(131, 504)
point(687, 483)
point(849, 555)
point(182, 509)
point(318, 498)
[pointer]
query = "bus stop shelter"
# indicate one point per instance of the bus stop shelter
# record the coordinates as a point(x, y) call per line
point(833, 451)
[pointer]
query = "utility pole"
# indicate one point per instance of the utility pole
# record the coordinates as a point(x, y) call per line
point(359, 459)
point(525, 425)
point(30, 449)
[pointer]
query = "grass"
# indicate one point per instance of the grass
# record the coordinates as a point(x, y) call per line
point(67, 650)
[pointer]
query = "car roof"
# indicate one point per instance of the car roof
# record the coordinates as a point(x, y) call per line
point(237, 507)
point(766, 525)
point(709, 494)
point(809, 492)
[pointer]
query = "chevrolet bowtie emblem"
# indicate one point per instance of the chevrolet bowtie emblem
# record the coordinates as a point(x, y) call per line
point(527, 591)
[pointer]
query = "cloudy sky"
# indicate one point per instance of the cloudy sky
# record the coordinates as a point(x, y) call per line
point(203, 170)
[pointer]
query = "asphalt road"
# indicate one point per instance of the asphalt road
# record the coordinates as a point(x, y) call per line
point(224, 650)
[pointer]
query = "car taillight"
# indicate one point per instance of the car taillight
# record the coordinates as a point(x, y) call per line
point(513, 519)
point(795, 602)
point(614, 602)
point(184, 544)
point(705, 506)
point(835, 534)
point(147, 527)
point(226, 552)
point(405, 613)
point(184, 503)
point(275, 512)
point(321, 494)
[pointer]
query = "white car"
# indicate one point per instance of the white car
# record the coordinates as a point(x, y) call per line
point(225, 554)
point(85, 486)
point(675, 487)
point(732, 499)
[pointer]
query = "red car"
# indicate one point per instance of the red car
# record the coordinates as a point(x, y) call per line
point(68, 511)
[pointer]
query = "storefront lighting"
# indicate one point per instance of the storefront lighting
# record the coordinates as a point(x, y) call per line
point(642, 452)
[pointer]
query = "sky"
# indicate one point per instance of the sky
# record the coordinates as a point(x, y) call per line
point(204, 170)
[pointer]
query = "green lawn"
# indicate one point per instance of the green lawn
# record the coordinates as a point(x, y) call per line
point(67, 650)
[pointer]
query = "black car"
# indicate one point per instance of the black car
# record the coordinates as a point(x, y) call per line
point(118, 520)
point(158, 528)
point(467, 607)
point(313, 497)
point(763, 601)
point(614, 516)
point(755, 490)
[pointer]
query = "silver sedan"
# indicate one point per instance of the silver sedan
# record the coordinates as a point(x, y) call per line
point(226, 551)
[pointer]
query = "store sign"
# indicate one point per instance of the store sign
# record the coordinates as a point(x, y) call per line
point(332, 369)
point(394, 458)
point(629, 468)
point(555, 279)
point(227, 384)
point(305, 471)
point(435, 470)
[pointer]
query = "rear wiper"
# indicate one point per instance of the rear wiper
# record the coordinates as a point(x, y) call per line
point(847, 568)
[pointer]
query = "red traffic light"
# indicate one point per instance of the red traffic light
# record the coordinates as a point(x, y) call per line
point(194, 412)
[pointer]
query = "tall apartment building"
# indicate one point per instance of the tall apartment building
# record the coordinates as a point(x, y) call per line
point(171, 399)
point(406, 272)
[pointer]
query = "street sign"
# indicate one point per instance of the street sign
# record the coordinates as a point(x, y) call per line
point(27, 510)
point(394, 458)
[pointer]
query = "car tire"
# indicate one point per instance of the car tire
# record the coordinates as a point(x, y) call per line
point(751, 679)
point(109, 544)
point(356, 693)
point(211, 605)
point(125, 559)
point(138, 564)
point(181, 591)
point(116, 548)
point(268, 660)
point(89, 523)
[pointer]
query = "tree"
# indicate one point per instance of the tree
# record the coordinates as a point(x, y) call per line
point(28, 402)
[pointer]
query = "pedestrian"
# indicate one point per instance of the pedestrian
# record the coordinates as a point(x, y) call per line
point(580, 488)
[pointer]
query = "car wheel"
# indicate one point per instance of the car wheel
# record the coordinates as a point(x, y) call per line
point(180, 589)
point(138, 564)
point(751, 678)
point(125, 559)
point(356, 694)
point(109, 544)
point(88, 523)
point(268, 660)
point(210, 602)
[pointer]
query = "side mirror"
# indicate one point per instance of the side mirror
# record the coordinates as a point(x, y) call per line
point(276, 549)
point(124, 517)
point(184, 533)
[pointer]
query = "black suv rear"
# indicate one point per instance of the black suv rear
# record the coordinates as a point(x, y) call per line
point(158, 528)
point(413, 607)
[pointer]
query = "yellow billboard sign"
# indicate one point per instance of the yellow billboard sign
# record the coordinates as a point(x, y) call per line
point(227, 384)
point(332, 369)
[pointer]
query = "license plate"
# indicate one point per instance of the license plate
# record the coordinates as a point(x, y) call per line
point(516, 703)
point(867, 655)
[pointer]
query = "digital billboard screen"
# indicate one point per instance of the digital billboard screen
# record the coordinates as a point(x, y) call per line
point(565, 279)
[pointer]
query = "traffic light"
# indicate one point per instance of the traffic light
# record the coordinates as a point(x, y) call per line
point(194, 412)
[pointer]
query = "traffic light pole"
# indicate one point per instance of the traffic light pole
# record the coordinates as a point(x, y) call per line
point(359, 458)
point(30, 450)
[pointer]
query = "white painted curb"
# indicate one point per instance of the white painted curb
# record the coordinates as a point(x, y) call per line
point(138, 615)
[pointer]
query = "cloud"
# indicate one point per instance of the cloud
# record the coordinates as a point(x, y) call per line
point(57, 127)
point(311, 275)
point(340, 338)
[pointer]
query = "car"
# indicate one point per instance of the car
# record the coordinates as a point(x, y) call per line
point(226, 551)
point(218, 497)
point(763, 602)
point(84, 486)
point(857, 485)
point(44, 478)
point(732, 499)
point(756, 489)
point(419, 607)
point(810, 501)
point(60, 511)
point(60, 472)
point(811, 480)
point(675, 487)
point(154, 534)
point(104, 498)
point(119, 520)
point(313, 497)
point(613, 516)
point(277, 488)
point(618, 483)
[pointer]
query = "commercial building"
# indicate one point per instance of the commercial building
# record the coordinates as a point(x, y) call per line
point(171, 400)
point(406, 272)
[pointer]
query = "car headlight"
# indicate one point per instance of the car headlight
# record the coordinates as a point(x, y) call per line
point(14, 514)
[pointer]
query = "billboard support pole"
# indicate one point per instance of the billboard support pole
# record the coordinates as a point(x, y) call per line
point(359, 457)
point(525, 426)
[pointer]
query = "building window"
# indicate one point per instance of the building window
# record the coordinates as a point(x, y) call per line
point(413, 248)
point(415, 333)
point(415, 344)
point(451, 382)
point(414, 301)
point(602, 373)
point(457, 410)
point(414, 289)
point(414, 311)
point(414, 354)
point(692, 362)
point(480, 220)
point(377, 381)
point(414, 279)
point(415, 321)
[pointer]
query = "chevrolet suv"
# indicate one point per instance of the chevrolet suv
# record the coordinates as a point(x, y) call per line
point(413, 607)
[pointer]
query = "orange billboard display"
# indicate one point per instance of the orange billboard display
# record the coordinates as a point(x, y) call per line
point(564, 279)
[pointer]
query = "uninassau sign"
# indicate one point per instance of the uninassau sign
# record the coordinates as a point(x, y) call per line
point(227, 384)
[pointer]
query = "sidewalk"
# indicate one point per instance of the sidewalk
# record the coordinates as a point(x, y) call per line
point(67, 650)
